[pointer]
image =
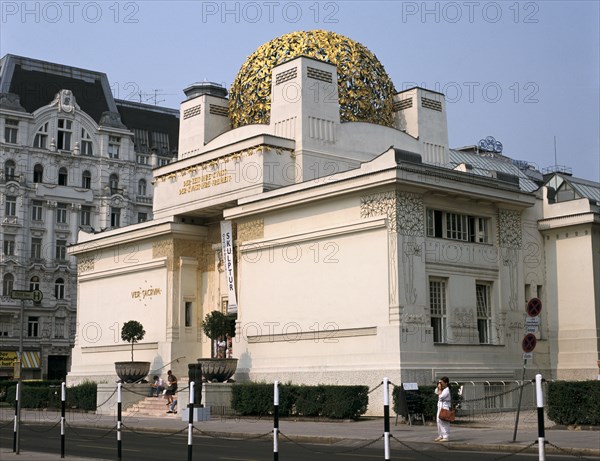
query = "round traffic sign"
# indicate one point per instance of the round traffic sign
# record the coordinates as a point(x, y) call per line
point(529, 342)
point(37, 296)
point(534, 307)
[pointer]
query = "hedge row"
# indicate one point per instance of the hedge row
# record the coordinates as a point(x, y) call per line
point(574, 402)
point(46, 394)
point(423, 401)
point(340, 402)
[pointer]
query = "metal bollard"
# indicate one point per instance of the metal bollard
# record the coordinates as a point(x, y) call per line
point(275, 421)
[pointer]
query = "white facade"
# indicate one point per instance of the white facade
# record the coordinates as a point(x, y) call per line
point(354, 260)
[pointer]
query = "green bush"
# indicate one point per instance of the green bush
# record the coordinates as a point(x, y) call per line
point(338, 402)
point(47, 394)
point(574, 402)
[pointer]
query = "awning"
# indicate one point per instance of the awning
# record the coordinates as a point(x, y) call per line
point(31, 359)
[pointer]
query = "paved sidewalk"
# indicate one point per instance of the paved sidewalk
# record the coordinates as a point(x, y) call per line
point(493, 432)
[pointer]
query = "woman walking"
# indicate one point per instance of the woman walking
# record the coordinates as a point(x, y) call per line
point(444, 401)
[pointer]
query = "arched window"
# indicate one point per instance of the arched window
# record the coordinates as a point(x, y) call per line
point(9, 170)
point(142, 187)
point(7, 284)
point(113, 183)
point(41, 138)
point(38, 173)
point(59, 288)
point(86, 180)
point(34, 283)
point(62, 176)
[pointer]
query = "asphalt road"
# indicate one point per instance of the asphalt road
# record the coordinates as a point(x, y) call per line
point(139, 446)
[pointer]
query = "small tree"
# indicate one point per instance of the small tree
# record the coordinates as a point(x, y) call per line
point(132, 332)
point(216, 325)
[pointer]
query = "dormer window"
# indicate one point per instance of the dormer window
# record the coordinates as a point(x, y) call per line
point(63, 140)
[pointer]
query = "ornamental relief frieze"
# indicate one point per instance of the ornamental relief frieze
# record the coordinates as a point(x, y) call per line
point(509, 228)
point(85, 264)
point(404, 210)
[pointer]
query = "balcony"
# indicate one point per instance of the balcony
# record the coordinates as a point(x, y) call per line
point(145, 199)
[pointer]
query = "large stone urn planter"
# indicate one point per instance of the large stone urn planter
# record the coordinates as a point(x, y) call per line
point(217, 370)
point(132, 372)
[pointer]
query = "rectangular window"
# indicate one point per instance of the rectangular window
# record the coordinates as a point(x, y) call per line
point(484, 312)
point(61, 250)
point(11, 130)
point(10, 207)
point(5, 325)
point(437, 306)
point(36, 248)
point(33, 327)
point(85, 216)
point(87, 147)
point(114, 143)
point(59, 328)
point(61, 213)
point(115, 217)
point(9, 245)
point(37, 210)
point(188, 314)
point(455, 226)
point(63, 139)
point(142, 217)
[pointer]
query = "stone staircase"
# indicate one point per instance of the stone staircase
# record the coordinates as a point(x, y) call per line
point(150, 407)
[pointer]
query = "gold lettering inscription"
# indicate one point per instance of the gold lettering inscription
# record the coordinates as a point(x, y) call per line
point(205, 181)
point(148, 293)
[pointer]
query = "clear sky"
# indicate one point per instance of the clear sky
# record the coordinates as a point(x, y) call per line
point(523, 72)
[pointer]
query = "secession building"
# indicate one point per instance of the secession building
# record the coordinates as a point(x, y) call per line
point(363, 246)
point(73, 159)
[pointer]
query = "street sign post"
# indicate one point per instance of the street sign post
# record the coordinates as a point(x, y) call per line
point(27, 295)
point(534, 307)
point(529, 342)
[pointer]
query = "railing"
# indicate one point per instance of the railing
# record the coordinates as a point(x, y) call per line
point(493, 396)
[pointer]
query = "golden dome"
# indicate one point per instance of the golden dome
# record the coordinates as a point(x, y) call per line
point(365, 90)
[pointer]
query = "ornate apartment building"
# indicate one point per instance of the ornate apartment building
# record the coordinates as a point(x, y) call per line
point(72, 159)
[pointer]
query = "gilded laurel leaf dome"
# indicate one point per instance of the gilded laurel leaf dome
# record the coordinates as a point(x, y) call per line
point(365, 90)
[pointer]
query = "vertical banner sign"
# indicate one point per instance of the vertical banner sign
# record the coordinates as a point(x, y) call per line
point(227, 244)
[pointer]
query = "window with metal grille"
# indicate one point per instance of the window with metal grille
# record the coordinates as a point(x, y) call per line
point(484, 312)
point(456, 226)
point(437, 306)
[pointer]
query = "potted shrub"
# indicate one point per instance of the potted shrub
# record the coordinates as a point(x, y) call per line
point(217, 326)
point(132, 371)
